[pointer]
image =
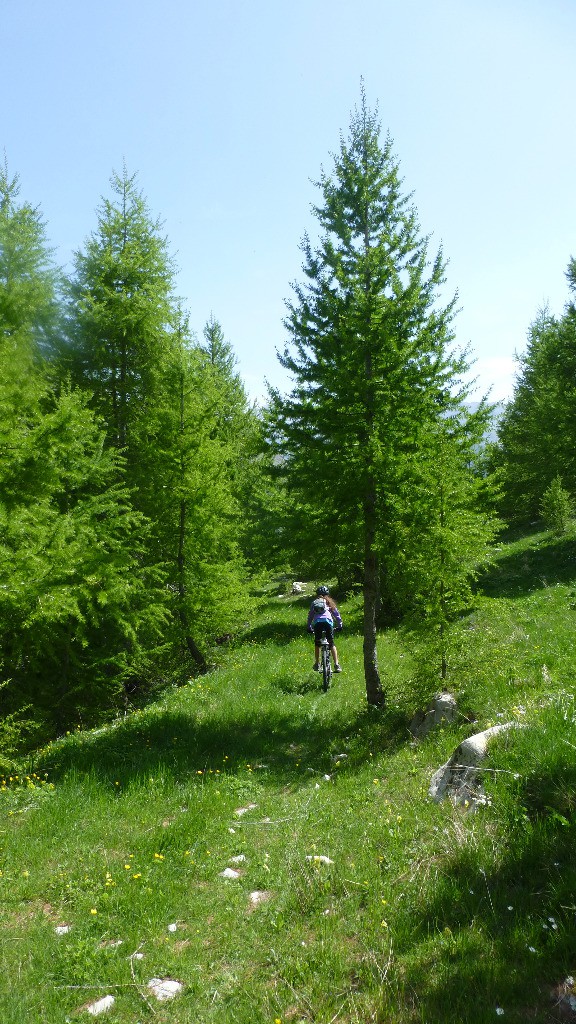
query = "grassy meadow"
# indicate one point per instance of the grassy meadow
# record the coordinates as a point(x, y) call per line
point(356, 898)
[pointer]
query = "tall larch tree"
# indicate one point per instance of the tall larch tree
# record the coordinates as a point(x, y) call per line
point(371, 359)
point(121, 321)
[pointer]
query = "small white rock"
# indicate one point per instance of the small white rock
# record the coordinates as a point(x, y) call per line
point(172, 927)
point(62, 929)
point(136, 956)
point(165, 988)
point(239, 859)
point(229, 873)
point(243, 810)
point(259, 896)
point(319, 858)
point(101, 1006)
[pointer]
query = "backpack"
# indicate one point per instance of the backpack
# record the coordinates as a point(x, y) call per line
point(319, 606)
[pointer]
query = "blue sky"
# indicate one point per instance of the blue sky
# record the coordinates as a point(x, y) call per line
point(227, 112)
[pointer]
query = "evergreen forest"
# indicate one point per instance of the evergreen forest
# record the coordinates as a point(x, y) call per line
point(142, 492)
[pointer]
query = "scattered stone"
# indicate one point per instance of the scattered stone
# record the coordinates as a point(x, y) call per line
point(442, 708)
point(244, 810)
point(230, 873)
point(259, 896)
point(239, 859)
point(106, 1003)
point(298, 588)
point(136, 956)
point(165, 988)
point(458, 779)
point(564, 996)
point(339, 757)
point(62, 929)
point(172, 927)
point(319, 858)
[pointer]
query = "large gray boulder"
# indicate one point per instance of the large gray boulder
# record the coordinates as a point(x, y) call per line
point(459, 778)
point(442, 708)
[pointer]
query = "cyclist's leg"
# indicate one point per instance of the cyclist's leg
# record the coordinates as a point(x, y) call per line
point(329, 629)
point(317, 635)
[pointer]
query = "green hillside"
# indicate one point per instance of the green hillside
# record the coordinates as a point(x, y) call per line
point(358, 899)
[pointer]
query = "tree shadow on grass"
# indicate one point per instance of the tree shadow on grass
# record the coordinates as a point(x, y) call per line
point(514, 575)
point(181, 745)
point(522, 910)
point(280, 633)
point(290, 684)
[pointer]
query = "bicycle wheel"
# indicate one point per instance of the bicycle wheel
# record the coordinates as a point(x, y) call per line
point(326, 666)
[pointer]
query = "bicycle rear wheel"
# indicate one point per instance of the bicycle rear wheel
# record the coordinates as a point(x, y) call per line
point(326, 667)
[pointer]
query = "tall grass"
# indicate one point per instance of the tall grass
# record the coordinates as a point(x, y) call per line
point(375, 903)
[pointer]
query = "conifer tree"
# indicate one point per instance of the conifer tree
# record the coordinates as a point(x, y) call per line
point(121, 313)
point(197, 511)
point(371, 359)
point(445, 524)
point(78, 613)
point(537, 433)
point(173, 409)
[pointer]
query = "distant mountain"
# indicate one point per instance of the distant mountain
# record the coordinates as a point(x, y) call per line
point(497, 413)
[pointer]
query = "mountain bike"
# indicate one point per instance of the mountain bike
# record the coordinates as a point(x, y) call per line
point(325, 663)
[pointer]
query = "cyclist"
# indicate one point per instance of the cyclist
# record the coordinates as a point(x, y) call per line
point(323, 617)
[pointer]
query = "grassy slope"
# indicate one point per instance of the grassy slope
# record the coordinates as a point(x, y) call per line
point(427, 913)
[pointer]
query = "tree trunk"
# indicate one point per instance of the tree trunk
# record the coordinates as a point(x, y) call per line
point(374, 692)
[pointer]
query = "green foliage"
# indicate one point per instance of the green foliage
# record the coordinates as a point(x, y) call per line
point(557, 507)
point(76, 605)
point(443, 537)
point(29, 308)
